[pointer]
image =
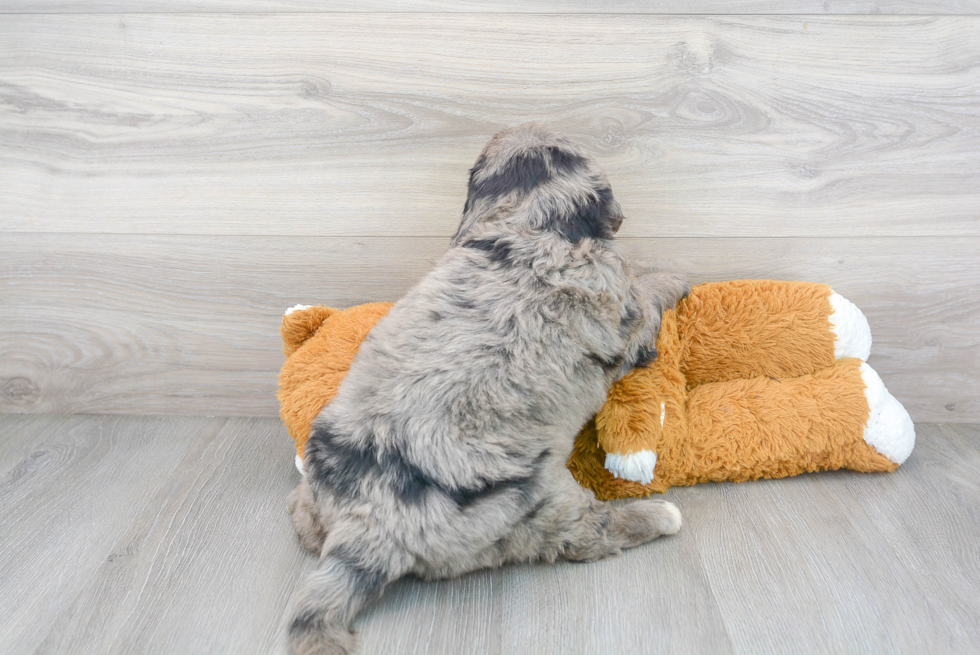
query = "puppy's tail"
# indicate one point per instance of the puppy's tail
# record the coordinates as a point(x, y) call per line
point(329, 600)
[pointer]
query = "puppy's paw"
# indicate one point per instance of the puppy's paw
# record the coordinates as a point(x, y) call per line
point(314, 637)
point(645, 520)
point(667, 289)
point(671, 520)
point(306, 518)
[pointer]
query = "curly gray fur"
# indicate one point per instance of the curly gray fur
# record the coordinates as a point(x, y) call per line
point(444, 450)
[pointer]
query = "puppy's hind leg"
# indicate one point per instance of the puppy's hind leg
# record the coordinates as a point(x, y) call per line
point(307, 521)
point(571, 524)
point(608, 530)
point(349, 576)
point(642, 521)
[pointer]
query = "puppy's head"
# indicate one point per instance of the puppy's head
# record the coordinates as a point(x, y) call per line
point(530, 179)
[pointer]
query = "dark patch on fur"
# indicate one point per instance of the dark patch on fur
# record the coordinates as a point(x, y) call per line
point(435, 317)
point(591, 218)
point(566, 162)
point(366, 580)
point(339, 466)
point(534, 511)
point(631, 316)
point(523, 172)
point(465, 497)
point(597, 216)
point(480, 244)
point(410, 482)
point(498, 248)
point(306, 622)
point(645, 356)
point(607, 364)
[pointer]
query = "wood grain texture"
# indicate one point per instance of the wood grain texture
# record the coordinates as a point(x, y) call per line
point(22, 441)
point(928, 7)
point(201, 558)
point(644, 602)
point(208, 566)
point(63, 506)
point(862, 563)
point(189, 324)
point(341, 125)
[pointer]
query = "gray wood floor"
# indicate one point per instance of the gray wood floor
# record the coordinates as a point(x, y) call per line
point(169, 535)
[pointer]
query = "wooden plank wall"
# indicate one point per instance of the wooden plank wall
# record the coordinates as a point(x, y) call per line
point(661, 7)
point(172, 177)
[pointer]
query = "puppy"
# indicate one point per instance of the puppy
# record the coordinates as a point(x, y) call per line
point(444, 450)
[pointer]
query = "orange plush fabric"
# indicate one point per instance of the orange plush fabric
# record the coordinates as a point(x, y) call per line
point(747, 328)
point(745, 386)
point(320, 344)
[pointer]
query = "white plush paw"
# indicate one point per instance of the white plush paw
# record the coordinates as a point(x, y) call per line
point(852, 334)
point(296, 308)
point(299, 465)
point(890, 430)
point(637, 467)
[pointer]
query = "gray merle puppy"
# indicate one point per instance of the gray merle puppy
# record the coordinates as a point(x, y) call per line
point(444, 450)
